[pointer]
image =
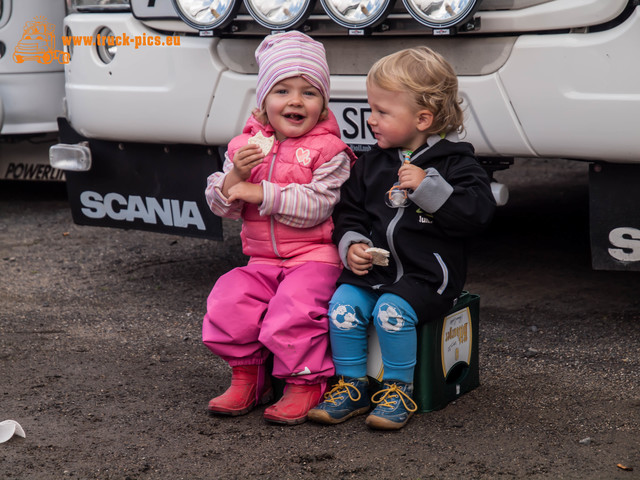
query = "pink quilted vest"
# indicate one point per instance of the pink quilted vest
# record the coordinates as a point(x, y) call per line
point(293, 160)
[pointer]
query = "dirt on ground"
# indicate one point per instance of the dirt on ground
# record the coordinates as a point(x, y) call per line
point(102, 364)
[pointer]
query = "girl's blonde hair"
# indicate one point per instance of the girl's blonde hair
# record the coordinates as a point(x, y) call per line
point(429, 78)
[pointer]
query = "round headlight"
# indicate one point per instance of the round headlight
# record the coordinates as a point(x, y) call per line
point(357, 14)
point(206, 14)
point(106, 45)
point(279, 14)
point(440, 13)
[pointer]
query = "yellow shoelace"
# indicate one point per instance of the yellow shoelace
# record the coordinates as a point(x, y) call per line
point(340, 388)
point(388, 396)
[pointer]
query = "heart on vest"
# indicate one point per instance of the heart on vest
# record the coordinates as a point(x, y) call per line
point(304, 156)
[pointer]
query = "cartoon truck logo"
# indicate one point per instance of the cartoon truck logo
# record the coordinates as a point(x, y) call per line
point(38, 43)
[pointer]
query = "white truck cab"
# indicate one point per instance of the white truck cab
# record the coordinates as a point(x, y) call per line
point(31, 87)
point(156, 88)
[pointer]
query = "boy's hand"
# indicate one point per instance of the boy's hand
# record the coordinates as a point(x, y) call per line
point(358, 260)
point(410, 176)
point(245, 159)
point(248, 192)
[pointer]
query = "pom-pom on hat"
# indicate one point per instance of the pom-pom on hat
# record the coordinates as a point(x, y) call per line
point(291, 54)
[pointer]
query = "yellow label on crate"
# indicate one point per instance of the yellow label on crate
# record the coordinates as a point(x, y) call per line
point(456, 339)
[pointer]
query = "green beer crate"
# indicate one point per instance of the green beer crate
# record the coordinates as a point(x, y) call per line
point(447, 357)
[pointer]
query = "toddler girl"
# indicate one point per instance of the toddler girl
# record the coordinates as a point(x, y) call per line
point(282, 176)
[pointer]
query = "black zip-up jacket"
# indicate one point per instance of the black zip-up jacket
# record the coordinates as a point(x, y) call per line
point(427, 238)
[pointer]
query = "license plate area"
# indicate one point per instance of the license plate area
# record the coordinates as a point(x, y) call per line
point(352, 118)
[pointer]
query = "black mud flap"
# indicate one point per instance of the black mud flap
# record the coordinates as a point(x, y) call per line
point(614, 211)
point(159, 188)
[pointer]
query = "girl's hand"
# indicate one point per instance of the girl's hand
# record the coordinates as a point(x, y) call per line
point(245, 159)
point(410, 176)
point(247, 192)
point(359, 261)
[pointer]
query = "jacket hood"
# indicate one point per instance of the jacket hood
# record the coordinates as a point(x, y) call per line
point(435, 147)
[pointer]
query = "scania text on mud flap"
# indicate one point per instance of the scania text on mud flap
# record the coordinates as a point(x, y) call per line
point(549, 79)
point(31, 87)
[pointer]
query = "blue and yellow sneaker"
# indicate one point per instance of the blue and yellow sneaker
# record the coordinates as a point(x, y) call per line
point(395, 406)
point(348, 398)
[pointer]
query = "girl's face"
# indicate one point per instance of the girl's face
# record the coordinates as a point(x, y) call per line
point(293, 107)
point(395, 119)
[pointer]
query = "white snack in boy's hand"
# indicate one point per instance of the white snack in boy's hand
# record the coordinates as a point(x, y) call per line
point(265, 143)
point(380, 256)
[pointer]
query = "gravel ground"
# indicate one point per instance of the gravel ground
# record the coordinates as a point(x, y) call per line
point(102, 365)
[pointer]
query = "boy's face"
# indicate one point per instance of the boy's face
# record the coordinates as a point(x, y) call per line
point(395, 119)
point(293, 107)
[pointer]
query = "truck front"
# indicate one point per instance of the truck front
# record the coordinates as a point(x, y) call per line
point(31, 88)
point(156, 88)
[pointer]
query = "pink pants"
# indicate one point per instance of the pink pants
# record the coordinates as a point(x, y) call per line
point(260, 309)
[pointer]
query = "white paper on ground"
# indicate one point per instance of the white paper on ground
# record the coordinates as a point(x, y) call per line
point(8, 429)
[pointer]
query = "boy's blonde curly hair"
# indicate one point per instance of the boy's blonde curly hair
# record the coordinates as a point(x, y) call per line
point(429, 78)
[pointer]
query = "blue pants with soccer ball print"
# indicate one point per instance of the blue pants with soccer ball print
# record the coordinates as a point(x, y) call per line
point(351, 309)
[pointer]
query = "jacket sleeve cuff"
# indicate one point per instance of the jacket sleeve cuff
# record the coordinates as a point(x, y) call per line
point(432, 192)
point(217, 192)
point(349, 239)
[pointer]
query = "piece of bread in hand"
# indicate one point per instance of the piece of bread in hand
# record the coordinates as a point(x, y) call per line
point(265, 143)
point(380, 256)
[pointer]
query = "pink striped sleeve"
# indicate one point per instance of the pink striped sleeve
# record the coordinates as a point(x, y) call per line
point(215, 199)
point(307, 205)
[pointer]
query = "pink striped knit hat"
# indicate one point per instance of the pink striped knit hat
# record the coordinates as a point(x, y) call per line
point(291, 54)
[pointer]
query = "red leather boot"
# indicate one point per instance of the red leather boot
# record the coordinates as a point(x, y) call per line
point(249, 387)
point(294, 405)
